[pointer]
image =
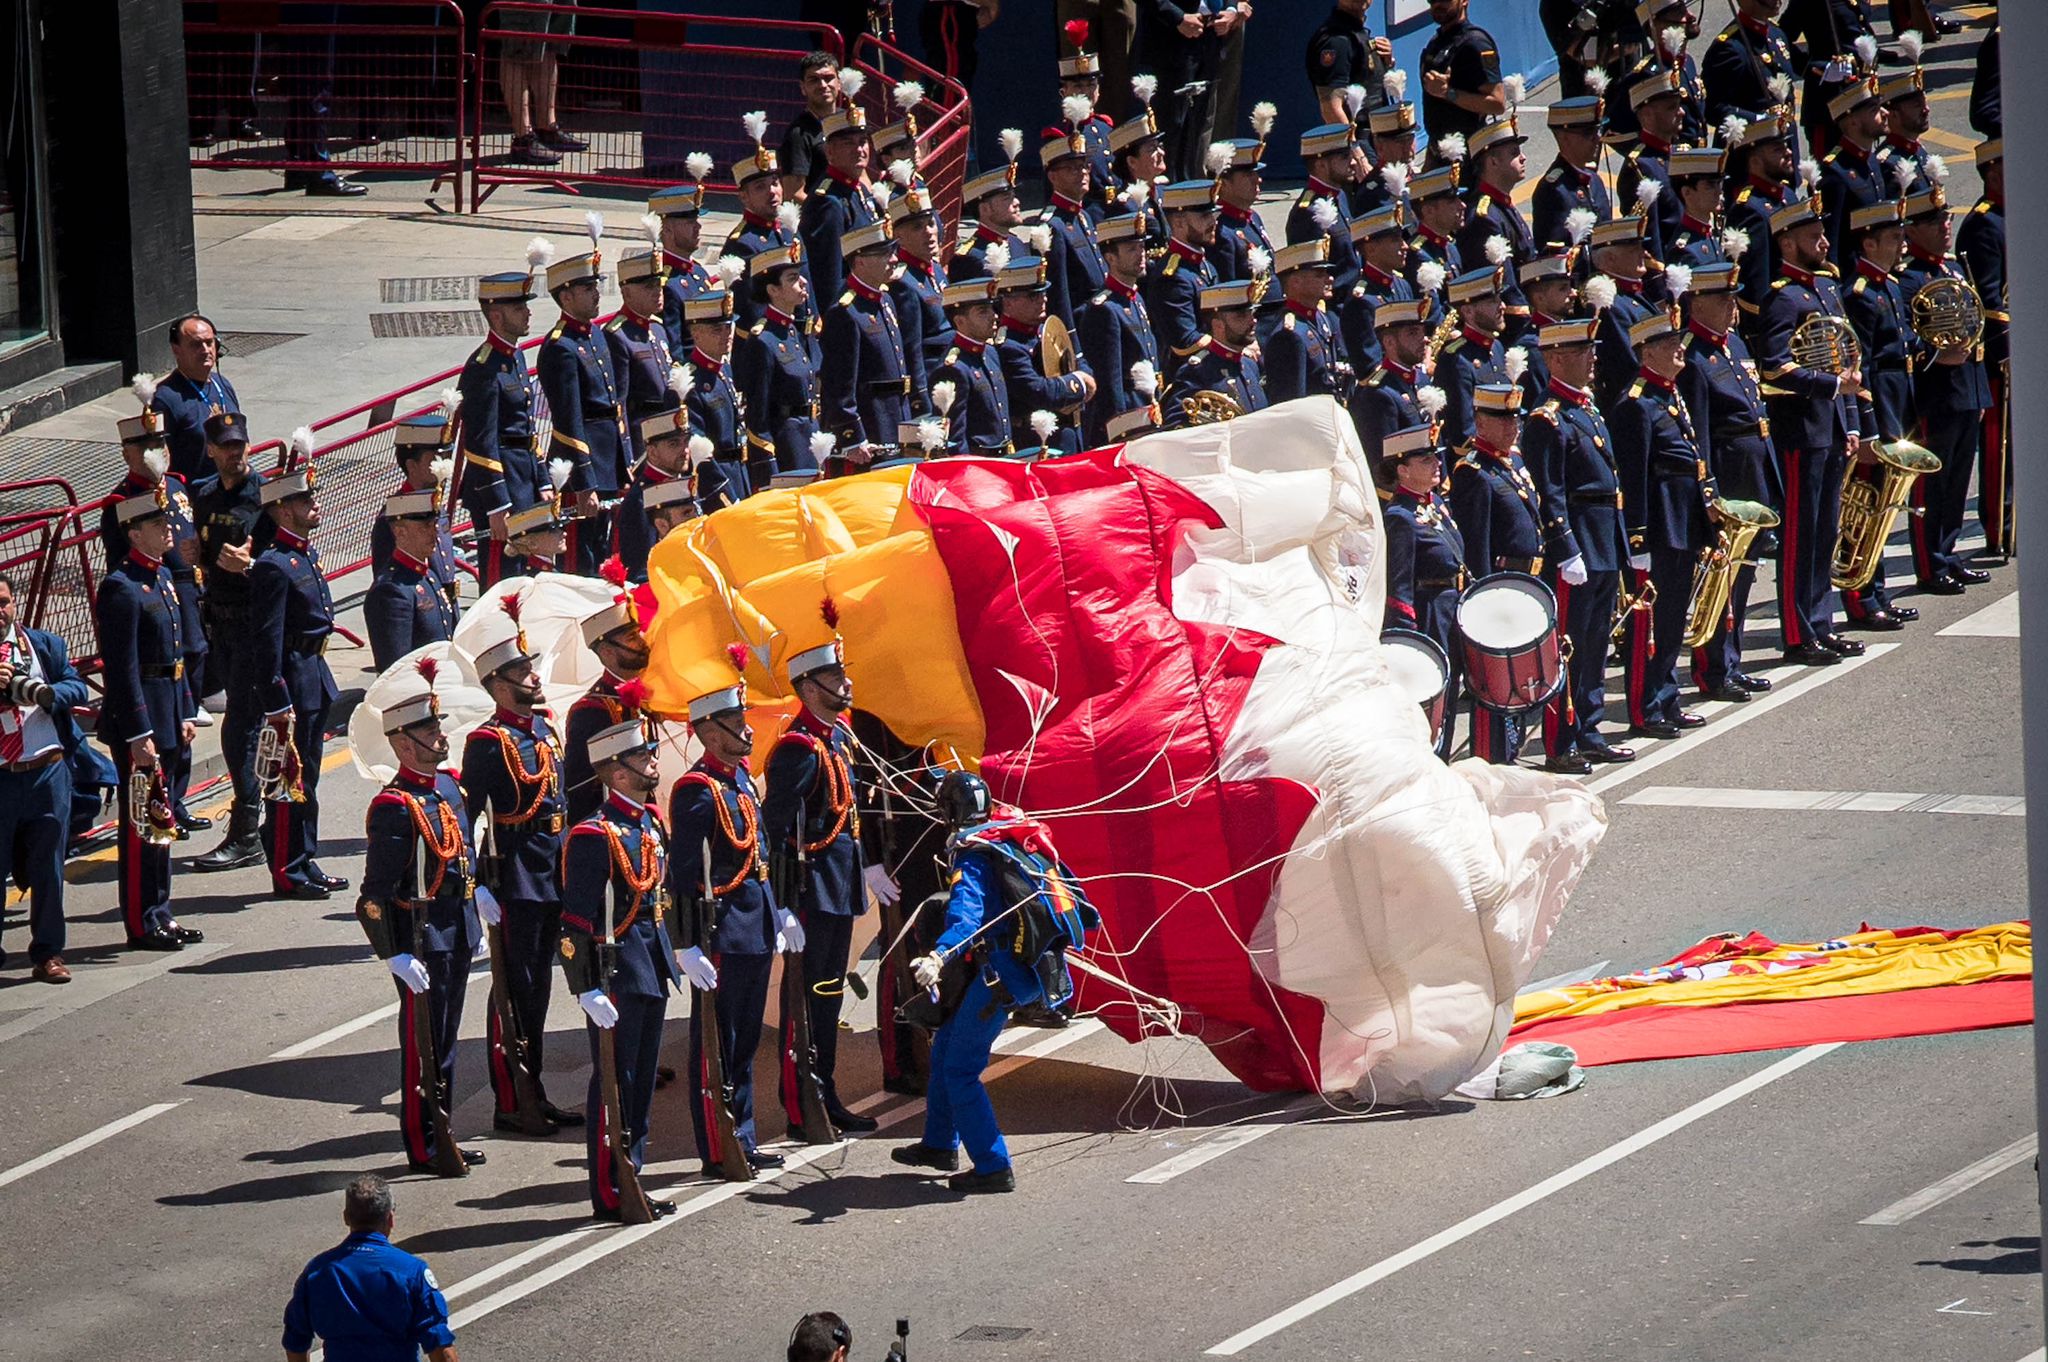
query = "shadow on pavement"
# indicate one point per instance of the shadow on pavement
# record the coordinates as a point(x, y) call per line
point(522, 1232)
point(826, 1199)
point(2023, 1260)
point(288, 958)
point(367, 1144)
point(284, 1187)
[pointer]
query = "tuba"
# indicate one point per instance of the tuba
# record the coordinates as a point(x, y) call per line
point(1827, 343)
point(1714, 577)
point(1948, 314)
point(1870, 507)
point(149, 807)
point(1205, 408)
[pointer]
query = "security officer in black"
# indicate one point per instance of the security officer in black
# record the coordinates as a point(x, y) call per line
point(1721, 393)
point(865, 382)
point(839, 205)
point(501, 471)
point(1388, 399)
point(1022, 292)
point(406, 607)
point(1474, 355)
point(1426, 570)
point(1749, 65)
point(586, 401)
point(1952, 392)
point(292, 621)
point(775, 368)
point(1494, 501)
point(232, 531)
point(1220, 364)
point(968, 389)
point(1342, 52)
point(1114, 328)
point(146, 711)
point(1573, 181)
point(642, 359)
point(1460, 64)
point(713, 401)
point(1300, 350)
point(1569, 452)
point(1876, 305)
point(1175, 280)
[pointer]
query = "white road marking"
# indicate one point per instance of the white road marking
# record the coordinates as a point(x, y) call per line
point(1831, 801)
point(87, 1141)
point(2000, 619)
point(2038, 1355)
point(1786, 690)
point(1473, 1224)
point(1215, 1146)
point(1956, 1183)
point(613, 1241)
point(1950, 1308)
point(353, 1025)
point(94, 985)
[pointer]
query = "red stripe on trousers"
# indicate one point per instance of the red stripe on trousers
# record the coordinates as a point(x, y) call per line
point(1791, 624)
point(1923, 548)
point(412, 1119)
point(1639, 657)
point(1553, 713)
point(501, 1064)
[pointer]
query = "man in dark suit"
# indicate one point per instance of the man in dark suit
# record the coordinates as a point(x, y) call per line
point(38, 689)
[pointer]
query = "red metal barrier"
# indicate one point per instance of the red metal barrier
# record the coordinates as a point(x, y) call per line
point(52, 555)
point(943, 117)
point(310, 85)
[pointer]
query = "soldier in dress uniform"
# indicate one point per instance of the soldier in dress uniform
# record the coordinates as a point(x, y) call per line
point(1021, 298)
point(1138, 157)
point(1175, 280)
point(775, 368)
point(419, 908)
point(991, 197)
point(1301, 352)
point(1952, 392)
point(1220, 363)
point(1474, 355)
point(292, 621)
point(424, 446)
point(1817, 420)
point(1696, 177)
point(512, 775)
point(668, 441)
point(682, 229)
point(1495, 503)
point(1721, 393)
point(1850, 176)
point(642, 358)
point(1495, 165)
point(1433, 250)
point(501, 471)
point(1387, 400)
point(968, 390)
point(1619, 257)
point(812, 826)
point(1661, 114)
point(612, 633)
point(1073, 259)
point(1115, 330)
point(1569, 453)
point(1980, 249)
point(864, 383)
point(1761, 168)
point(766, 222)
point(536, 541)
point(1905, 159)
point(1392, 125)
point(712, 400)
point(1080, 93)
point(1666, 486)
point(1749, 65)
point(839, 205)
point(1426, 570)
point(915, 288)
point(406, 607)
point(1877, 308)
point(1668, 24)
point(232, 530)
point(1382, 246)
point(729, 943)
point(1239, 229)
point(146, 710)
point(616, 949)
point(1553, 297)
point(1319, 210)
point(586, 402)
point(1573, 181)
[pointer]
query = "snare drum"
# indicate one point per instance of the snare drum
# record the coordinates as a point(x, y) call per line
point(1507, 631)
point(1422, 671)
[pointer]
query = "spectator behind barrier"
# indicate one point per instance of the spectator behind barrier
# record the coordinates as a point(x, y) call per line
point(38, 688)
point(802, 152)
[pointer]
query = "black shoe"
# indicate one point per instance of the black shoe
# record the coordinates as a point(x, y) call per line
point(1883, 621)
point(1944, 24)
point(1656, 728)
point(758, 1159)
point(1607, 754)
point(162, 939)
point(1685, 718)
point(802, 1136)
point(557, 1116)
point(1970, 576)
point(232, 854)
point(334, 187)
point(191, 936)
point(921, 1155)
point(510, 1123)
point(1755, 685)
point(1727, 693)
point(306, 890)
point(662, 1209)
point(333, 884)
point(1812, 655)
point(1568, 764)
point(1905, 614)
point(526, 151)
point(1942, 586)
point(971, 1183)
point(909, 1085)
point(191, 822)
point(554, 139)
point(473, 1157)
point(1843, 647)
point(848, 1123)
point(1039, 1015)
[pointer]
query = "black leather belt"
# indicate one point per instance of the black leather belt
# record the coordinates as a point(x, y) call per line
point(1442, 583)
point(1596, 499)
point(307, 645)
point(783, 411)
point(888, 387)
point(162, 671)
point(1532, 566)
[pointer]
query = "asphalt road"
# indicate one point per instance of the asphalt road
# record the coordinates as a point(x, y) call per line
point(179, 1126)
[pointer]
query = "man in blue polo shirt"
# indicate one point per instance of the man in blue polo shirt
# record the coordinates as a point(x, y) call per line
point(365, 1300)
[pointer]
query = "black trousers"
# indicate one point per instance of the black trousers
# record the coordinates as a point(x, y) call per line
point(447, 982)
point(741, 1000)
point(530, 934)
point(828, 944)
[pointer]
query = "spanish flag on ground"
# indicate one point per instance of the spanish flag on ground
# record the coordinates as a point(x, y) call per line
point(1731, 994)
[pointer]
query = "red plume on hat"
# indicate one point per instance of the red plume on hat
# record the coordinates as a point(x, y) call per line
point(740, 655)
point(828, 611)
point(428, 668)
point(510, 605)
point(634, 693)
point(1076, 31)
point(613, 570)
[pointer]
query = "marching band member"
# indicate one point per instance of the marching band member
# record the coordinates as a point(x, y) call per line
point(1473, 356)
point(842, 204)
point(406, 607)
point(1496, 165)
point(766, 224)
point(991, 197)
point(1762, 167)
point(1320, 209)
point(1380, 239)
point(586, 402)
point(1850, 177)
point(642, 357)
point(1644, 185)
point(1392, 126)
point(1876, 306)
point(1980, 249)
point(712, 399)
point(1021, 296)
point(1494, 502)
point(1387, 400)
point(1221, 363)
point(1433, 250)
point(916, 288)
point(775, 368)
point(1552, 296)
point(1299, 345)
point(501, 472)
point(1749, 65)
point(1573, 181)
point(1620, 259)
point(864, 382)
point(1696, 179)
point(1073, 258)
point(1115, 330)
point(680, 208)
point(968, 390)
point(1174, 282)
point(612, 633)
point(1425, 554)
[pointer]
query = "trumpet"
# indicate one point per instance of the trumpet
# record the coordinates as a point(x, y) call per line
point(149, 807)
point(1626, 605)
point(277, 767)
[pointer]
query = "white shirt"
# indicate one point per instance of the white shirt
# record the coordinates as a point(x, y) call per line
point(39, 729)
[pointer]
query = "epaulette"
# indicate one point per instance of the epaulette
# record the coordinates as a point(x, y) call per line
point(1828, 272)
point(1171, 267)
point(1548, 411)
point(616, 322)
point(1482, 206)
point(1831, 157)
point(1981, 206)
point(1453, 345)
point(483, 352)
point(1376, 377)
point(1862, 282)
point(1306, 200)
point(594, 824)
point(1742, 194)
point(1779, 283)
point(1103, 119)
point(952, 357)
point(1101, 297)
point(1469, 459)
point(556, 334)
point(845, 298)
point(755, 329)
point(1635, 151)
point(1288, 321)
point(1555, 174)
point(1635, 389)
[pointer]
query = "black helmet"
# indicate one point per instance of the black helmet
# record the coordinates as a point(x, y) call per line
point(963, 799)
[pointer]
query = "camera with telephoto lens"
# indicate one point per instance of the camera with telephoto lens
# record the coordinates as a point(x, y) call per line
point(28, 690)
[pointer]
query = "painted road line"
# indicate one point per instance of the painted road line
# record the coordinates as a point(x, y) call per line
point(2000, 619)
point(87, 1141)
point(1956, 1183)
point(613, 1241)
point(355, 1024)
point(1831, 801)
point(89, 986)
point(1213, 1147)
point(1783, 693)
point(2038, 1355)
point(1492, 1215)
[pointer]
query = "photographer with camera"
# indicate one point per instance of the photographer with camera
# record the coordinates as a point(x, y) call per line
point(38, 688)
point(823, 1336)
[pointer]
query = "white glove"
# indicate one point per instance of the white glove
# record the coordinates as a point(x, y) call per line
point(1836, 70)
point(1639, 561)
point(697, 968)
point(925, 969)
point(1573, 570)
point(884, 889)
point(789, 933)
point(487, 907)
point(408, 970)
point(598, 1006)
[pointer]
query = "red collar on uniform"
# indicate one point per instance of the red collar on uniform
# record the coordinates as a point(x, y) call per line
point(1629, 286)
point(1654, 143)
point(501, 345)
point(1717, 339)
point(779, 318)
point(624, 807)
point(969, 344)
point(1401, 371)
point(635, 318)
point(406, 560)
point(1760, 27)
point(1494, 192)
point(1019, 331)
point(1321, 189)
point(651, 474)
point(1909, 146)
point(863, 289)
point(1121, 289)
point(1848, 144)
point(1479, 338)
point(1377, 275)
point(682, 264)
point(1937, 262)
point(289, 540)
point(1234, 213)
point(1060, 200)
point(1694, 225)
point(1578, 397)
point(1770, 189)
point(1657, 381)
point(753, 220)
point(1795, 275)
point(1305, 311)
point(1870, 271)
point(841, 178)
point(506, 718)
point(1219, 348)
point(991, 235)
point(573, 327)
point(141, 559)
point(717, 767)
point(700, 360)
point(1539, 320)
point(1492, 450)
point(911, 260)
point(1192, 254)
point(419, 780)
point(1429, 234)
point(812, 724)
